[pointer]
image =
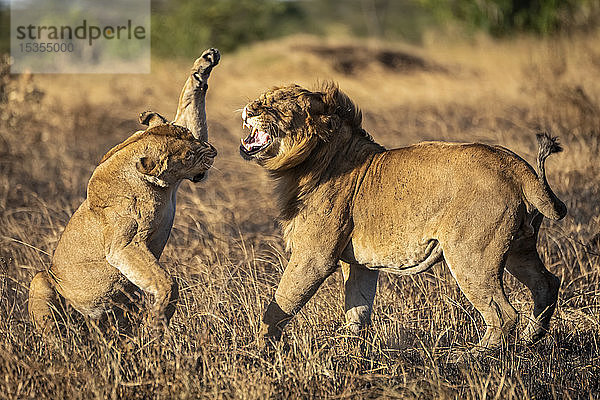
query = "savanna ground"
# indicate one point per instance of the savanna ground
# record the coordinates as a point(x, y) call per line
point(226, 250)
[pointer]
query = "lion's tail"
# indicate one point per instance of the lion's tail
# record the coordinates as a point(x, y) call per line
point(537, 191)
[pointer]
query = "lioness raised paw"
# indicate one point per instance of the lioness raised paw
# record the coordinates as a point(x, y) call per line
point(204, 64)
point(191, 111)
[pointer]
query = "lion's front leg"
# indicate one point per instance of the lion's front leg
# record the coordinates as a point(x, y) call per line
point(360, 286)
point(299, 282)
point(191, 110)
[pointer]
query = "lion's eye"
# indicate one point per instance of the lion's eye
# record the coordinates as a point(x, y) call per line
point(189, 155)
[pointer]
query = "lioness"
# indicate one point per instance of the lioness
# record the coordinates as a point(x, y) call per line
point(344, 198)
point(111, 246)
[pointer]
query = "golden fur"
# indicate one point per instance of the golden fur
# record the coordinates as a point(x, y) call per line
point(110, 248)
point(345, 199)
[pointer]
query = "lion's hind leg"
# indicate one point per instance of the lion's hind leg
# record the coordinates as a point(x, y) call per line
point(43, 301)
point(479, 277)
point(524, 263)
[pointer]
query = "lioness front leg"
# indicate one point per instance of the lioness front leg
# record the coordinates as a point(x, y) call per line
point(360, 286)
point(299, 282)
point(140, 266)
point(130, 255)
point(191, 110)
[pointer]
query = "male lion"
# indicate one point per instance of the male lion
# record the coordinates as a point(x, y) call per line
point(111, 246)
point(344, 198)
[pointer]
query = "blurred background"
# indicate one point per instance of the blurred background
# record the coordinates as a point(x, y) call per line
point(229, 24)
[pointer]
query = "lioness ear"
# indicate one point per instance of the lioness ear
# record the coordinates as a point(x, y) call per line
point(151, 118)
point(146, 166)
point(149, 170)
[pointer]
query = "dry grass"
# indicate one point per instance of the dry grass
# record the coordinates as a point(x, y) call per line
point(226, 250)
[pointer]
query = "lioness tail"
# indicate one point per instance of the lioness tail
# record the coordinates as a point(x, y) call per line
point(42, 299)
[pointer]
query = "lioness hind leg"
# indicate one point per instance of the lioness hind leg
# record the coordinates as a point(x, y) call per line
point(525, 264)
point(480, 279)
point(42, 299)
point(360, 286)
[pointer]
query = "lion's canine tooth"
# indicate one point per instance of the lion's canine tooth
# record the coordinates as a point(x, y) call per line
point(246, 146)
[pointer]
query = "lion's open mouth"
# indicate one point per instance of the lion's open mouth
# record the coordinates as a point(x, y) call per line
point(256, 141)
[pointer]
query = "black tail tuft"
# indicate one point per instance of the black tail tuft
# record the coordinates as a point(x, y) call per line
point(547, 145)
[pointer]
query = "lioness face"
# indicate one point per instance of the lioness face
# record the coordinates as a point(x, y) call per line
point(281, 123)
point(191, 159)
point(174, 159)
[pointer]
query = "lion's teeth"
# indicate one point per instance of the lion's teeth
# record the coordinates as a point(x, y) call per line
point(246, 146)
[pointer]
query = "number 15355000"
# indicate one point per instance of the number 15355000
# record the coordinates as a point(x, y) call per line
point(35, 47)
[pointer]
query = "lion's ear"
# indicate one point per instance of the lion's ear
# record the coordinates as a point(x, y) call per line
point(322, 126)
point(315, 104)
point(316, 118)
point(334, 122)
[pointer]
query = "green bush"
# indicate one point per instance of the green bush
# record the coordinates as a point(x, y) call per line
point(184, 27)
point(4, 28)
point(501, 17)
